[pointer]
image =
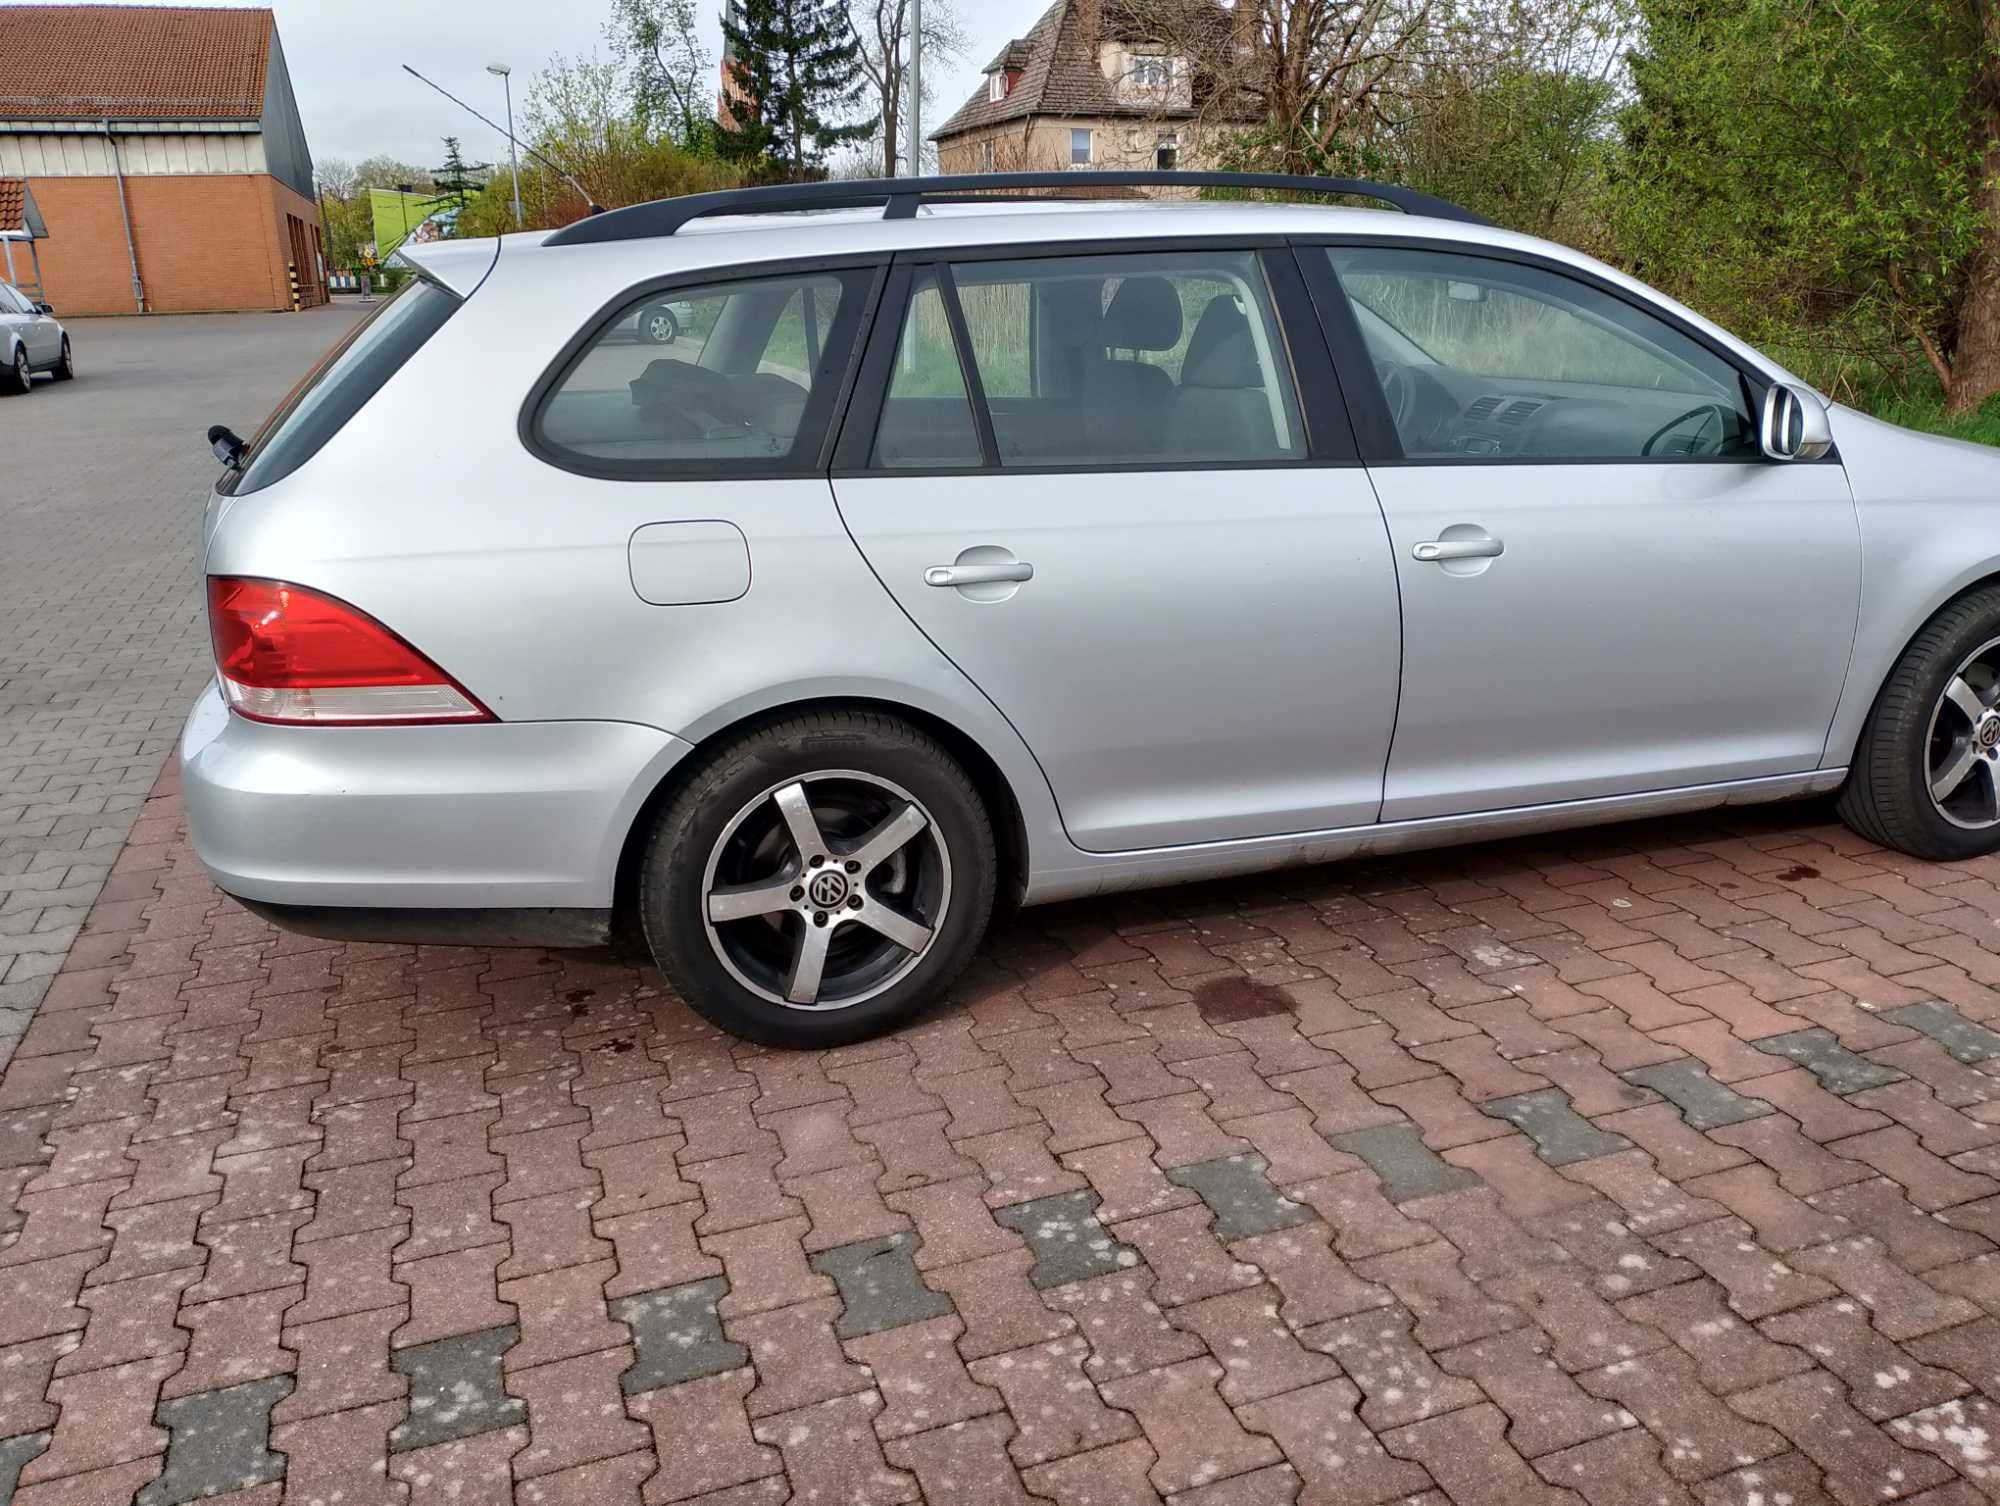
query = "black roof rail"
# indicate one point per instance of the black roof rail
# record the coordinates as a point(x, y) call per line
point(900, 198)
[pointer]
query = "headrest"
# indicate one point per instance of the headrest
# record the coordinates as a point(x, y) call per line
point(1145, 314)
point(1221, 352)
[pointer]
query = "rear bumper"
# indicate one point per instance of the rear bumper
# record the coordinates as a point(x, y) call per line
point(497, 816)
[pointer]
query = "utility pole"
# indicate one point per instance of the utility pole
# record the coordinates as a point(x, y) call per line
point(513, 152)
point(916, 88)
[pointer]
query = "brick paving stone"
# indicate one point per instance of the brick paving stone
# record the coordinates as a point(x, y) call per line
point(1612, 1471)
point(1334, 1455)
point(1126, 1329)
point(1697, 1433)
point(832, 1454)
point(1112, 1476)
point(1399, 1379)
point(1407, 1166)
point(1238, 1191)
point(1704, 1102)
point(797, 1357)
point(1467, 1454)
point(1260, 1355)
point(1820, 1053)
point(1195, 1436)
point(1547, 1410)
point(1001, 1306)
point(1562, 1136)
point(1862, 1461)
point(576, 1412)
point(965, 1463)
point(677, 1335)
point(922, 1378)
point(1067, 1238)
point(1057, 1408)
point(1966, 1040)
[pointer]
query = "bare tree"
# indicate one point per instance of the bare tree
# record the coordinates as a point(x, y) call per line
point(884, 29)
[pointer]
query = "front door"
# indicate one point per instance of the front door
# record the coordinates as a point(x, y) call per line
point(1606, 589)
point(1091, 485)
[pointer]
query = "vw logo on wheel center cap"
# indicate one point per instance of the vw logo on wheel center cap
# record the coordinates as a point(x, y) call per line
point(827, 889)
point(1987, 733)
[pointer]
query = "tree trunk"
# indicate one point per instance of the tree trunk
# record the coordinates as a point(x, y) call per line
point(889, 136)
point(1975, 367)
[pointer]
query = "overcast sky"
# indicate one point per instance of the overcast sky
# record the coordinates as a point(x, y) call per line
point(346, 63)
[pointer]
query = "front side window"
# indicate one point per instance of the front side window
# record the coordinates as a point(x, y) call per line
point(1477, 357)
point(734, 387)
point(1160, 358)
point(1079, 148)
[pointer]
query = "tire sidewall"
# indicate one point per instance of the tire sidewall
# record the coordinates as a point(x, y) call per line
point(66, 367)
point(671, 900)
point(20, 375)
point(657, 312)
point(1912, 739)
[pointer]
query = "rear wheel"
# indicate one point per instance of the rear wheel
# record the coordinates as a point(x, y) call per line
point(21, 377)
point(66, 367)
point(658, 326)
point(1926, 774)
point(819, 881)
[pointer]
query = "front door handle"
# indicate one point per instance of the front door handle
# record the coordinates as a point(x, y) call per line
point(979, 575)
point(1459, 549)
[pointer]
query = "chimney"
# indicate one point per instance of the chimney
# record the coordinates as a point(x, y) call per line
point(1090, 25)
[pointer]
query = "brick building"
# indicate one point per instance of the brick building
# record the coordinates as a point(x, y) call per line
point(164, 148)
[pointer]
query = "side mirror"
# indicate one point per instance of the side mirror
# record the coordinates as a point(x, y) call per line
point(1793, 425)
point(45, 308)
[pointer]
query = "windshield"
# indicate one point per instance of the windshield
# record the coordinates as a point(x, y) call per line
point(343, 381)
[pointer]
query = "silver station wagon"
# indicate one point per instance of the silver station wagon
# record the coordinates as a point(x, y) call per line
point(957, 551)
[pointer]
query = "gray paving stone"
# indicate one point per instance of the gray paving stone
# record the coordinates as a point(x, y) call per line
point(456, 1388)
point(676, 1335)
point(1705, 1103)
point(1408, 1168)
point(1966, 1041)
point(1820, 1053)
point(1560, 1133)
point(1068, 1242)
point(880, 1286)
point(1239, 1193)
point(15, 1453)
point(218, 1441)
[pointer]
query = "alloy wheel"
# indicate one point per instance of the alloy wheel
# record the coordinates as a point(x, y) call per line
point(1963, 761)
point(24, 375)
point(826, 890)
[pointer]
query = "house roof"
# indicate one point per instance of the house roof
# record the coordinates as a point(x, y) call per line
point(132, 62)
point(13, 203)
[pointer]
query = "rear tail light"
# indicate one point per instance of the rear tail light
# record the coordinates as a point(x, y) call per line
point(287, 654)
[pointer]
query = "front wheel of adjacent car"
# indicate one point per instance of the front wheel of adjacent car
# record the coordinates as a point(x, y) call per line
point(66, 367)
point(1926, 774)
point(820, 880)
point(20, 375)
point(658, 326)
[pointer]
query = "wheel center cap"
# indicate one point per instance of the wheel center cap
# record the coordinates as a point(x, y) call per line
point(827, 889)
point(1987, 733)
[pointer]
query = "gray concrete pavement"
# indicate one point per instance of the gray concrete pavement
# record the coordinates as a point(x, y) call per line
point(101, 643)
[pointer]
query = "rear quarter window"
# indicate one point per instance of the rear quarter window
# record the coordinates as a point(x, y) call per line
point(344, 380)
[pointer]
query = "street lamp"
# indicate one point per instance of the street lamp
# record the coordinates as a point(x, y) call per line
point(513, 155)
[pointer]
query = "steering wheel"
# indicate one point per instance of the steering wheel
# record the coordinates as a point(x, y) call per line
point(1399, 391)
point(1699, 441)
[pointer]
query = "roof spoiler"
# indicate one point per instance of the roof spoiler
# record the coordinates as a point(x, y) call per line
point(901, 197)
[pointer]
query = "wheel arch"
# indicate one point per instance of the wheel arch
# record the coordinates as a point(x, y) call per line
point(1003, 807)
point(1868, 677)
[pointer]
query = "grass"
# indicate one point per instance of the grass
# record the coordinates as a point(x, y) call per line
point(1925, 411)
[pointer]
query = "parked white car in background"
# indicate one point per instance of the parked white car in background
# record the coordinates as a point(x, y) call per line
point(30, 341)
point(1038, 550)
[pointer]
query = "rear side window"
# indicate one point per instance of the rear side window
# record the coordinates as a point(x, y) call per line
point(349, 375)
point(1147, 359)
point(730, 377)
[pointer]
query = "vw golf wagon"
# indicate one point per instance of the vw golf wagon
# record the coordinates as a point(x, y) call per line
point(956, 552)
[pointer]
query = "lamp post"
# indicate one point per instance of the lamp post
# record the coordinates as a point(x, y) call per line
point(513, 154)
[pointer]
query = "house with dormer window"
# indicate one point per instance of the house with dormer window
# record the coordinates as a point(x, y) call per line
point(1087, 87)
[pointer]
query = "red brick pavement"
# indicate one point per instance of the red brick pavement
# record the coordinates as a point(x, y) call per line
point(1655, 1165)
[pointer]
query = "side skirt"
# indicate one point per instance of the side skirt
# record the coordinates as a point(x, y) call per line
point(1084, 874)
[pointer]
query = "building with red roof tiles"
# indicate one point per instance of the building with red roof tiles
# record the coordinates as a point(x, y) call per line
point(164, 149)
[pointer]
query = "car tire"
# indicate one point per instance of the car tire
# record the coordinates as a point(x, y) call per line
point(658, 326)
point(20, 375)
point(900, 842)
point(66, 368)
point(1924, 733)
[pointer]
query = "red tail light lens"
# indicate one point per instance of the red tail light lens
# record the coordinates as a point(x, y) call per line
point(287, 654)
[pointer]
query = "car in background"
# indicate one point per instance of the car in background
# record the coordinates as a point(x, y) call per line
point(663, 323)
point(30, 341)
point(1019, 551)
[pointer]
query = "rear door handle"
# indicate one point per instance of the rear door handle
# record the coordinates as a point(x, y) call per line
point(1459, 549)
point(978, 575)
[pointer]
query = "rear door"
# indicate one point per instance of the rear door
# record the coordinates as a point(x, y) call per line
point(1111, 490)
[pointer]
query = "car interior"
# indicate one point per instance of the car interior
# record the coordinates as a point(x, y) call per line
point(1482, 358)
